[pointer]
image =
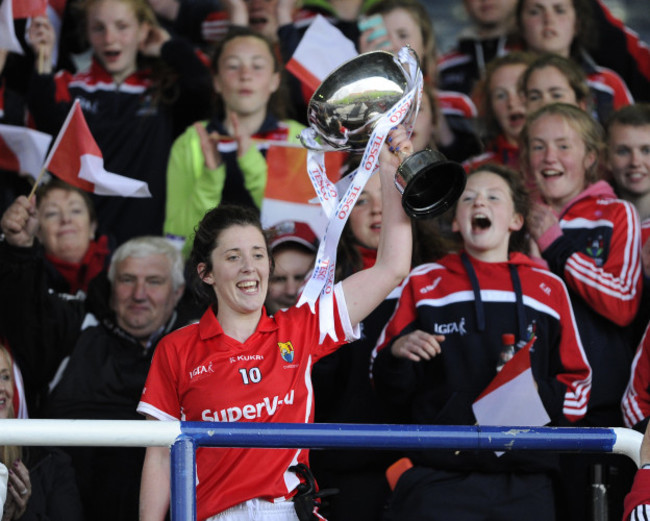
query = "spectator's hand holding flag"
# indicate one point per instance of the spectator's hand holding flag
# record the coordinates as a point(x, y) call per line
point(76, 159)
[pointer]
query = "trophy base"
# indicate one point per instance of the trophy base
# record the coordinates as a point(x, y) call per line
point(429, 183)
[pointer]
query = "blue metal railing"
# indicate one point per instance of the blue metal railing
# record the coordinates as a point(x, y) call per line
point(185, 437)
point(329, 436)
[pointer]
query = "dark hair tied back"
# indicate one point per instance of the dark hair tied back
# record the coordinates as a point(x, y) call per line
point(206, 238)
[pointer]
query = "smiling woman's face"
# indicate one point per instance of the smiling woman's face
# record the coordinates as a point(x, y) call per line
point(629, 158)
point(240, 270)
point(65, 226)
point(558, 159)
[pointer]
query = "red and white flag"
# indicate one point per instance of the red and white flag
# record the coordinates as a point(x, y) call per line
point(22, 149)
point(321, 50)
point(29, 8)
point(8, 39)
point(76, 159)
point(512, 397)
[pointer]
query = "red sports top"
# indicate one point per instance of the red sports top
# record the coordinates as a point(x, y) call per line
point(637, 502)
point(198, 373)
point(636, 400)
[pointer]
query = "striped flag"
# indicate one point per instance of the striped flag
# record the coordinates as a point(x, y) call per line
point(76, 159)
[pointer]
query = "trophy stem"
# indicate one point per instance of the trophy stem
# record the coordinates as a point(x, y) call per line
point(429, 183)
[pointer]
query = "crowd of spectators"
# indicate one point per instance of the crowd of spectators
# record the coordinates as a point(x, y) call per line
point(545, 103)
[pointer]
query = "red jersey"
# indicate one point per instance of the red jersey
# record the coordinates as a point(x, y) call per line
point(636, 400)
point(606, 80)
point(473, 309)
point(198, 373)
point(600, 255)
point(637, 502)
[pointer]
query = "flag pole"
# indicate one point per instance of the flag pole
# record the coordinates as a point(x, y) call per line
point(36, 183)
point(41, 60)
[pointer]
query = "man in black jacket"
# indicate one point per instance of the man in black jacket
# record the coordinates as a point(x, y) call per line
point(95, 353)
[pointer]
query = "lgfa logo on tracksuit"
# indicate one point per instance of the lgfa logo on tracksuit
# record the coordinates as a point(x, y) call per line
point(450, 327)
point(286, 351)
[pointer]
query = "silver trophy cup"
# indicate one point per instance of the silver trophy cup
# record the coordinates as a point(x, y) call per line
point(345, 109)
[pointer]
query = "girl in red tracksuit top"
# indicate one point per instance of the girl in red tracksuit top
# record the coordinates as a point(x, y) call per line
point(134, 109)
point(589, 238)
point(442, 346)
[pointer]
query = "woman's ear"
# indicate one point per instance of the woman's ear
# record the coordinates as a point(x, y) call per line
point(205, 277)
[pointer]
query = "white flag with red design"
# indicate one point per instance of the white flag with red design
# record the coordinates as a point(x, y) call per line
point(22, 149)
point(512, 397)
point(8, 39)
point(321, 50)
point(76, 159)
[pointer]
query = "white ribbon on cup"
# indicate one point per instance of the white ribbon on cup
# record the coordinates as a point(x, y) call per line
point(320, 286)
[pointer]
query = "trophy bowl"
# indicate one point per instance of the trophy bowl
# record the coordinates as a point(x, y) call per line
point(345, 109)
point(348, 103)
